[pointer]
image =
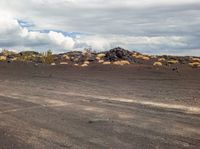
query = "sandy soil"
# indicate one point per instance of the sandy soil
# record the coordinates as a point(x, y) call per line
point(133, 106)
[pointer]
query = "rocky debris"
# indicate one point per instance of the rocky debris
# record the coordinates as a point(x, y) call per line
point(183, 60)
point(30, 53)
point(175, 69)
point(116, 56)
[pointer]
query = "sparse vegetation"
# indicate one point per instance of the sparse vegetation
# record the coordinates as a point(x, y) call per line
point(143, 57)
point(66, 57)
point(84, 65)
point(101, 61)
point(63, 63)
point(157, 64)
point(195, 60)
point(47, 57)
point(195, 64)
point(87, 62)
point(122, 62)
point(116, 56)
point(101, 55)
point(106, 63)
point(3, 58)
point(7, 52)
point(173, 62)
point(161, 59)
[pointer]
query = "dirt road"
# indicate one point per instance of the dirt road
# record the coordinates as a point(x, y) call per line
point(140, 107)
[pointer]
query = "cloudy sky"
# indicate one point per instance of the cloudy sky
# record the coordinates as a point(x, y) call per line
point(149, 26)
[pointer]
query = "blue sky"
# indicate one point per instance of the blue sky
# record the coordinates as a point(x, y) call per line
point(149, 26)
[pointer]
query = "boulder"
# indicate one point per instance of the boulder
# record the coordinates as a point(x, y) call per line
point(118, 54)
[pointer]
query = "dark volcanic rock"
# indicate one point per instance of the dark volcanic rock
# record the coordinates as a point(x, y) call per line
point(28, 53)
point(88, 56)
point(119, 54)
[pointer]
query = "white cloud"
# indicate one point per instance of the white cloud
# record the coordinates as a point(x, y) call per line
point(11, 31)
point(146, 24)
point(61, 40)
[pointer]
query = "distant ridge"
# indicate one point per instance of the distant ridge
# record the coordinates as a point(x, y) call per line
point(115, 56)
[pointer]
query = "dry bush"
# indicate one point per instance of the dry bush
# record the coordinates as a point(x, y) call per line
point(106, 63)
point(161, 59)
point(101, 61)
point(143, 57)
point(101, 55)
point(122, 62)
point(47, 57)
point(7, 52)
point(66, 57)
point(195, 60)
point(84, 65)
point(3, 58)
point(76, 65)
point(98, 58)
point(26, 58)
point(195, 64)
point(157, 64)
point(87, 62)
point(14, 59)
point(173, 62)
point(63, 63)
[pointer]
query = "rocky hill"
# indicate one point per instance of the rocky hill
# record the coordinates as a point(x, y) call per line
point(116, 56)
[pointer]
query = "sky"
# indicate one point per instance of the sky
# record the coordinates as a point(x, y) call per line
point(149, 26)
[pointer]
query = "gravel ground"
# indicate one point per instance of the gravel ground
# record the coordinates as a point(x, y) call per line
point(119, 107)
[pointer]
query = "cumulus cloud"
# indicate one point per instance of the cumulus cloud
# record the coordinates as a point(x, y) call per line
point(151, 26)
point(13, 35)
